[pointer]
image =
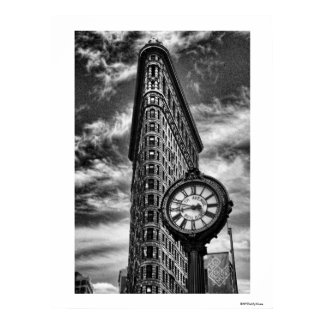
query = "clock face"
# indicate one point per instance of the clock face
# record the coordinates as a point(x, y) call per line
point(193, 207)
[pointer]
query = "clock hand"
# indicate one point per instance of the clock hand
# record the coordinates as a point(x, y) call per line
point(186, 204)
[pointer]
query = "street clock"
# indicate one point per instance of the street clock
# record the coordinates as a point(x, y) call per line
point(196, 207)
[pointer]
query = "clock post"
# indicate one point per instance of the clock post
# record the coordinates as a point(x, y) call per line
point(195, 209)
point(196, 252)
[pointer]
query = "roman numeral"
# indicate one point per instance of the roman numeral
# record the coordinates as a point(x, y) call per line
point(208, 197)
point(176, 217)
point(193, 225)
point(193, 190)
point(177, 201)
point(185, 194)
point(202, 190)
point(210, 214)
point(182, 225)
point(212, 205)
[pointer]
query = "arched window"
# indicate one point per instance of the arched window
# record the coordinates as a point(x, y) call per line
point(149, 271)
point(151, 140)
point(151, 200)
point(149, 252)
point(150, 233)
point(150, 216)
point(151, 169)
point(150, 184)
point(151, 154)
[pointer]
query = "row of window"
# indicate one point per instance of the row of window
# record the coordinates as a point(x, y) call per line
point(180, 124)
point(149, 272)
point(150, 252)
point(148, 234)
point(151, 199)
point(150, 289)
point(153, 184)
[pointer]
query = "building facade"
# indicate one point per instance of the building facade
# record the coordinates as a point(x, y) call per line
point(164, 144)
point(83, 284)
point(122, 276)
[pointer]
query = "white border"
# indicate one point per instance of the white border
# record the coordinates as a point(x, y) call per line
point(62, 170)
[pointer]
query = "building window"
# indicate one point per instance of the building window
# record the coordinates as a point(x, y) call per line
point(141, 272)
point(158, 185)
point(150, 184)
point(157, 252)
point(157, 272)
point(158, 169)
point(150, 216)
point(151, 169)
point(157, 201)
point(150, 199)
point(151, 154)
point(149, 252)
point(157, 289)
point(169, 97)
point(164, 86)
point(150, 234)
point(152, 126)
point(152, 111)
point(151, 141)
point(149, 271)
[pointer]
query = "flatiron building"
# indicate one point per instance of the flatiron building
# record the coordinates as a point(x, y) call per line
point(164, 144)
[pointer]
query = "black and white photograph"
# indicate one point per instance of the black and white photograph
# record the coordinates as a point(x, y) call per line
point(172, 149)
point(162, 162)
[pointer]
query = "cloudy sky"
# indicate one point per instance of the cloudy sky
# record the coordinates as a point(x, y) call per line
point(214, 71)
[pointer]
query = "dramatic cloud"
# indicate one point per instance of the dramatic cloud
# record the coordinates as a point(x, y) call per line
point(213, 68)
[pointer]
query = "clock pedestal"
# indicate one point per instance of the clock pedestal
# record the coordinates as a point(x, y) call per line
point(196, 252)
